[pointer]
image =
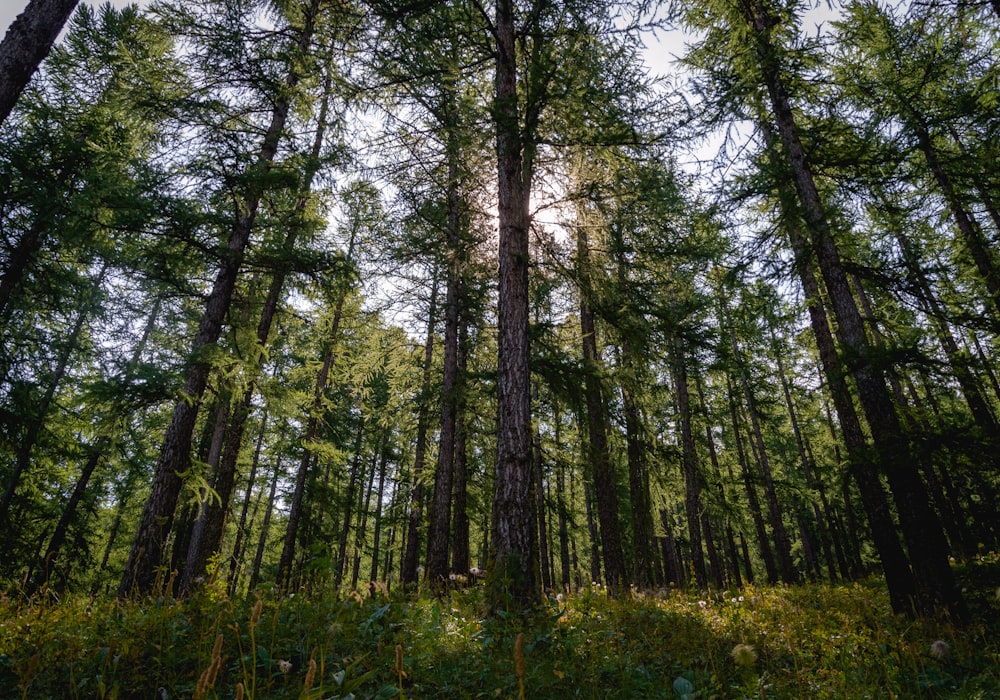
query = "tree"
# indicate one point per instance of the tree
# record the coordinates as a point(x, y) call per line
point(175, 456)
point(26, 44)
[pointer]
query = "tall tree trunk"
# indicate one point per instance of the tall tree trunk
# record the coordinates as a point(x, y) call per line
point(638, 483)
point(352, 484)
point(804, 460)
point(543, 535)
point(379, 496)
point(689, 462)
point(983, 256)
point(763, 541)
point(206, 540)
point(602, 468)
point(241, 527)
point(730, 542)
point(899, 578)
point(937, 592)
point(595, 536)
point(97, 452)
point(460, 553)
point(364, 508)
point(312, 429)
point(511, 578)
point(175, 454)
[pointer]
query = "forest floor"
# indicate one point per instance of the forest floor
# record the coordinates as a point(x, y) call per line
point(818, 640)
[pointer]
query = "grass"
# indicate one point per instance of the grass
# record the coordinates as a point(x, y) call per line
point(813, 641)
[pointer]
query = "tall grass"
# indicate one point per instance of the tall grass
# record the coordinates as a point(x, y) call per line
point(813, 641)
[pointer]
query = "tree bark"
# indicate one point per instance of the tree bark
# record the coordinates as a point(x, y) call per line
point(511, 578)
point(26, 44)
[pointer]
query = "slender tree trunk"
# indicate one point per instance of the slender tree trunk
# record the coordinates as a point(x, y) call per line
point(408, 571)
point(37, 421)
point(265, 528)
point(782, 543)
point(175, 455)
point(364, 508)
point(595, 536)
point(352, 485)
point(807, 471)
point(602, 469)
point(379, 497)
point(207, 538)
point(729, 543)
point(928, 550)
point(312, 431)
point(764, 542)
point(689, 462)
point(460, 554)
point(983, 257)
point(543, 535)
point(235, 559)
point(638, 486)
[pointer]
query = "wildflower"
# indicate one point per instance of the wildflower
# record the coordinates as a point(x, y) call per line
point(741, 599)
point(559, 597)
point(734, 600)
point(744, 655)
point(940, 649)
point(284, 666)
point(702, 603)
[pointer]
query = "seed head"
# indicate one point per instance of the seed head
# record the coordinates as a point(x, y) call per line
point(744, 655)
point(940, 649)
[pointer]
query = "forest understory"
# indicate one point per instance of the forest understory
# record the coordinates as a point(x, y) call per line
point(810, 641)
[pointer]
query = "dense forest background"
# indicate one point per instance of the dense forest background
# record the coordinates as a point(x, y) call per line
point(312, 294)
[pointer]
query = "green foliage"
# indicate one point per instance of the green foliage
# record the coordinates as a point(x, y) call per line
point(816, 641)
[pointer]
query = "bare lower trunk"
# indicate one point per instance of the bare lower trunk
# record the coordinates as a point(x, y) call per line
point(511, 579)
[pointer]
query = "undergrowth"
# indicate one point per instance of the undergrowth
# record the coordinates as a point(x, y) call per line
point(811, 641)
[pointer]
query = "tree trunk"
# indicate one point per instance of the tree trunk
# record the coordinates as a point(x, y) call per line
point(638, 483)
point(364, 508)
point(175, 454)
point(234, 560)
point(689, 463)
point(379, 495)
point(265, 528)
point(26, 44)
point(928, 550)
point(807, 471)
point(352, 484)
point(408, 570)
point(207, 537)
point(511, 579)
point(37, 421)
point(460, 552)
point(756, 513)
